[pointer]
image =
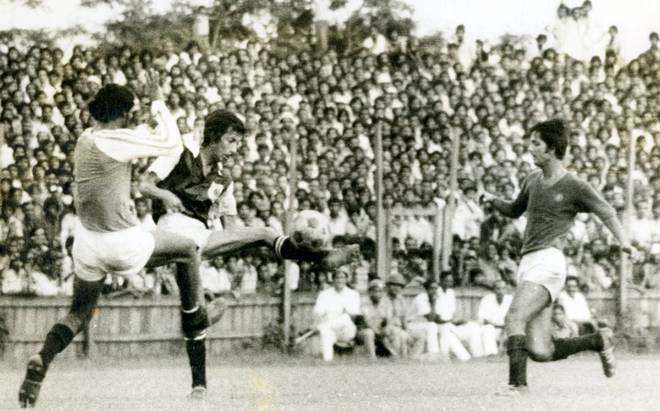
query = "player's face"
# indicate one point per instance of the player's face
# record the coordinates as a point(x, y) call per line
point(538, 149)
point(227, 146)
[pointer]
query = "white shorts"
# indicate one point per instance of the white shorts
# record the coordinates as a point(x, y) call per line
point(546, 267)
point(124, 252)
point(186, 226)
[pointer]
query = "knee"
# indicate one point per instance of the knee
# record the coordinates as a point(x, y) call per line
point(368, 335)
point(539, 353)
point(189, 251)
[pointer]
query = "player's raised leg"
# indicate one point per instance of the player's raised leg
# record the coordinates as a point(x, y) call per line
point(541, 347)
point(234, 239)
point(85, 298)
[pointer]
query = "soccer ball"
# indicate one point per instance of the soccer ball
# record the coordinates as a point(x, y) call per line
point(310, 229)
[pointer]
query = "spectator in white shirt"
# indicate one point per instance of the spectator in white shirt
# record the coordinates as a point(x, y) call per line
point(144, 214)
point(422, 320)
point(454, 331)
point(214, 277)
point(576, 307)
point(338, 220)
point(335, 310)
point(492, 311)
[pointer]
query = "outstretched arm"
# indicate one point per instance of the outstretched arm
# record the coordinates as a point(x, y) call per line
point(511, 209)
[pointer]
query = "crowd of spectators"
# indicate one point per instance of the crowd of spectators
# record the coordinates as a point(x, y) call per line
point(329, 103)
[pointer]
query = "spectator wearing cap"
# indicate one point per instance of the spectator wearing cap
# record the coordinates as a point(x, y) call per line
point(375, 331)
point(410, 344)
point(336, 310)
point(492, 311)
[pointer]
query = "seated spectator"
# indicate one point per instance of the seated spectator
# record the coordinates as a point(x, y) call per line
point(374, 330)
point(455, 331)
point(492, 311)
point(397, 323)
point(335, 310)
point(562, 327)
point(576, 307)
point(423, 319)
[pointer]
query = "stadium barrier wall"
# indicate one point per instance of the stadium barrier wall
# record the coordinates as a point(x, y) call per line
point(150, 326)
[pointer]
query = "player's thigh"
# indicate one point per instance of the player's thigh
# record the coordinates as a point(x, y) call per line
point(528, 301)
point(539, 336)
point(170, 247)
point(233, 239)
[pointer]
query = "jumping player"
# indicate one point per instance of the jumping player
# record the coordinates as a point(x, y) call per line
point(188, 184)
point(109, 238)
point(552, 197)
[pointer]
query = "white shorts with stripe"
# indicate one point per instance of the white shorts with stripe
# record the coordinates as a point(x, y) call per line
point(546, 267)
point(186, 226)
point(123, 252)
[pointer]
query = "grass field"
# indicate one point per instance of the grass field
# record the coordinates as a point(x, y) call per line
point(274, 382)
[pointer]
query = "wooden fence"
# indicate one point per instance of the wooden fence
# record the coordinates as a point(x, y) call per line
point(150, 327)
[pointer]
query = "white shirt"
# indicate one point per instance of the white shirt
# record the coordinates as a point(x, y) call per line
point(213, 279)
point(576, 308)
point(331, 303)
point(445, 304)
point(493, 312)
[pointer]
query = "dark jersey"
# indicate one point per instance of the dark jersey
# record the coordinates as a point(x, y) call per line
point(551, 210)
point(188, 182)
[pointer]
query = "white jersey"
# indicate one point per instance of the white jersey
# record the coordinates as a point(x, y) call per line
point(103, 169)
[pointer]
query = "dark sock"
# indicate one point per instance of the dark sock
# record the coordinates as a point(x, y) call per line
point(195, 322)
point(57, 339)
point(517, 352)
point(569, 346)
point(196, 350)
point(286, 249)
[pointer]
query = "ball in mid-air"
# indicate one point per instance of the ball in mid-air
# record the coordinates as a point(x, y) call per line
point(310, 229)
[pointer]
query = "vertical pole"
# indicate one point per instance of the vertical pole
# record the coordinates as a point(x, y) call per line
point(381, 241)
point(286, 292)
point(625, 263)
point(451, 201)
point(437, 242)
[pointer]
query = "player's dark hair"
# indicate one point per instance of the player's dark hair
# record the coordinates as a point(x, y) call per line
point(554, 134)
point(110, 103)
point(218, 123)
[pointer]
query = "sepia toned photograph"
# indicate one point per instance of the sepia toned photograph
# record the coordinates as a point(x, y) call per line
point(329, 205)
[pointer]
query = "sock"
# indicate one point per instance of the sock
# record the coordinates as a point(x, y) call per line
point(196, 350)
point(287, 250)
point(195, 322)
point(569, 346)
point(57, 339)
point(517, 352)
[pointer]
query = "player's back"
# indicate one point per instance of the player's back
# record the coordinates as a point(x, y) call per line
point(102, 187)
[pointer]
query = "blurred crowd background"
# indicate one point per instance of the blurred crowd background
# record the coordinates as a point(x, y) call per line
point(329, 100)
